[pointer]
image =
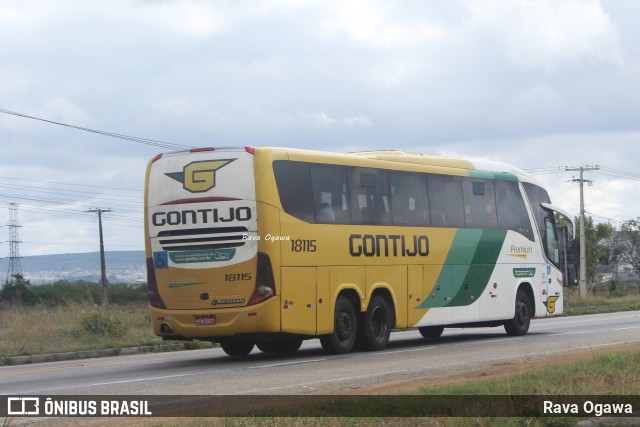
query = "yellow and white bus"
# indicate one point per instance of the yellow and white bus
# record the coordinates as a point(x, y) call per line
point(272, 246)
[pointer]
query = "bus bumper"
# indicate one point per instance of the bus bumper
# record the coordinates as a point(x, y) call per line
point(215, 323)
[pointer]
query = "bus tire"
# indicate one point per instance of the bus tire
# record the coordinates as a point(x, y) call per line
point(237, 347)
point(342, 339)
point(519, 325)
point(374, 326)
point(288, 346)
point(431, 331)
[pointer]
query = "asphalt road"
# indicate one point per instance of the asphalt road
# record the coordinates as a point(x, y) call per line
point(310, 371)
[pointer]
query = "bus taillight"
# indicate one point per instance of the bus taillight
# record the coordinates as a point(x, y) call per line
point(265, 285)
point(249, 150)
point(152, 286)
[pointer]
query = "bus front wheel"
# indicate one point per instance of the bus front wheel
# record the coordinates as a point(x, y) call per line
point(519, 325)
point(288, 346)
point(344, 328)
point(431, 331)
point(237, 347)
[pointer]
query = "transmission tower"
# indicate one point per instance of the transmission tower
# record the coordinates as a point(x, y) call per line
point(14, 242)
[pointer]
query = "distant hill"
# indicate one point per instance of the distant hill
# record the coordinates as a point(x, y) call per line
point(122, 267)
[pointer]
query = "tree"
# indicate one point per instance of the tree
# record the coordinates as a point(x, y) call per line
point(625, 244)
point(17, 290)
point(597, 253)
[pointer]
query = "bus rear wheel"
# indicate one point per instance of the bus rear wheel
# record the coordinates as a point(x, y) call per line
point(344, 328)
point(431, 331)
point(374, 326)
point(519, 325)
point(288, 346)
point(237, 347)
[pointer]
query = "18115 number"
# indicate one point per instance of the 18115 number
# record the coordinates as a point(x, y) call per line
point(237, 277)
point(302, 245)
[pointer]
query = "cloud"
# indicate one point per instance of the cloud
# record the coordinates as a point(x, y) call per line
point(539, 109)
point(531, 83)
point(359, 120)
point(61, 109)
point(373, 23)
point(322, 119)
point(177, 107)
point(550, 33)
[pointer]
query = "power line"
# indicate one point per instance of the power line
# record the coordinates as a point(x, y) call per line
point(621, 172)
point(3, 178)
point(616, 221)
point(605, 171)
point(62, 191)
point(146, 141)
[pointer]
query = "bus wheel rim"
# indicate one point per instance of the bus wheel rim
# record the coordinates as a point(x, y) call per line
point(378, 323)
point(344, 326)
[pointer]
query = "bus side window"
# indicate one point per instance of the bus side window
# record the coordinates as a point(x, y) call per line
point(409, 199)
point(536, 196)
point(294, 188)
point(445, 200)
point(552, 247)
point(512, 212)
point(369, 190)
point(479, 203)
point(329, 190)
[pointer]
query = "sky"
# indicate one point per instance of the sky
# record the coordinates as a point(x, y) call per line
point(538, 84)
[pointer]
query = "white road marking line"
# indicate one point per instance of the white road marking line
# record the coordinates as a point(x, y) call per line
point(571, 333)
point(383, 353)
point(274, 365)
point(496, 340)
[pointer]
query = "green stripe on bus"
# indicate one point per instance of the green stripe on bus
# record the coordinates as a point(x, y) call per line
point(478, 273)
point(470, 261)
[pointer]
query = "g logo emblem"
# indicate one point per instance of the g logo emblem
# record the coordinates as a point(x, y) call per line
point(198, 177)
point(551, 304)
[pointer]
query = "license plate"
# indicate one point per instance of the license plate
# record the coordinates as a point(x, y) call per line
point(206, 320)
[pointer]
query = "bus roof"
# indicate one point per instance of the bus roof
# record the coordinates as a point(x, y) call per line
point(482, 168)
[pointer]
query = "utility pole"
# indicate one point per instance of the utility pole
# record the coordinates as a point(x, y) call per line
point(103, 268)
point(15, 268)
point(583, 247)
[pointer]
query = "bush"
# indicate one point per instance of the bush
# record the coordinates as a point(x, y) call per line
point(17, 291)
point(63, 292)
point(120, 293)
point(99, 323)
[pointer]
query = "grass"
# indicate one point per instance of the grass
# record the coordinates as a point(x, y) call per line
point(602, 302)
point(40, 329)
point(612, 373)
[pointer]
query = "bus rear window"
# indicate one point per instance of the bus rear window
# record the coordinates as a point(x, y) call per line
point(294, 181)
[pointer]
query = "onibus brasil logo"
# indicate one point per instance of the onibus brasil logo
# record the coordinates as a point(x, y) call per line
point(198, 177)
